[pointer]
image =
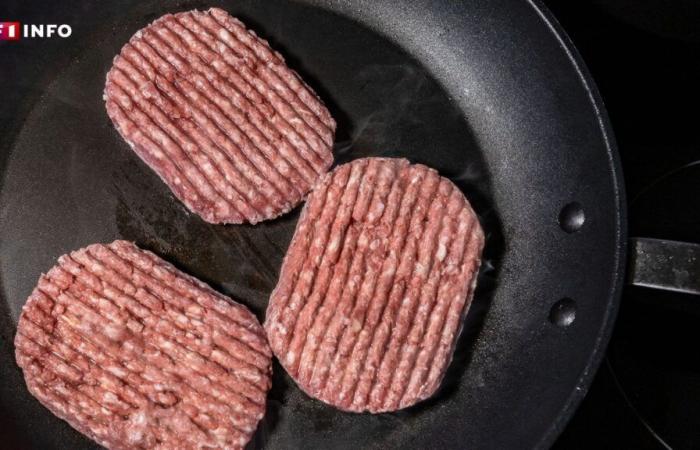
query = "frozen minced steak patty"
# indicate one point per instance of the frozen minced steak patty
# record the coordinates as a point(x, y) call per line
point(134, 353)
point(207, 104)
point(375, 285)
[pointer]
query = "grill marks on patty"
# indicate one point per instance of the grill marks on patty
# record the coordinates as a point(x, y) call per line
point(135, 354)
point(235, 134)
point(374, 287)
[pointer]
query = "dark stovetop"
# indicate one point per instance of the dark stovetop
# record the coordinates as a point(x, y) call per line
point(645, 59)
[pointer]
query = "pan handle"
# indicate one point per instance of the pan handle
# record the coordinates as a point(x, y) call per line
point(667, 265)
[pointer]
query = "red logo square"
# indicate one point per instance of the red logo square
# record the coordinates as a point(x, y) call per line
point(10, 31)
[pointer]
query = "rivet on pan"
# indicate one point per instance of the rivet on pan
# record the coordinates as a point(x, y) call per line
point(571, 217)
point(563, 312)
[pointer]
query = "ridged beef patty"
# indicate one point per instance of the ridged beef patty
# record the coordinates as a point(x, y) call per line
point(234, 132)
point(134, 353)
point(375, 285)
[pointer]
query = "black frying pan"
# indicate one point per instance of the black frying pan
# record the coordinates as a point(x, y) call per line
point(492, 94)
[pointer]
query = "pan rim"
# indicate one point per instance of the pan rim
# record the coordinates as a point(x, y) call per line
point(618, 270)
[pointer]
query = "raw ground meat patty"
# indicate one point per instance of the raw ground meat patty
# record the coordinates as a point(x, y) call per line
point(134, 353)
point(235, 133)
point(375, 285)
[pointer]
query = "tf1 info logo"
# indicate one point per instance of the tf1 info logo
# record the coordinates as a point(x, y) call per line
point(14, 31)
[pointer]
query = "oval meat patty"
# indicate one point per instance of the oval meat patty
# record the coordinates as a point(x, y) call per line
point(375, 285)
point(235, 133)
point(134, 353)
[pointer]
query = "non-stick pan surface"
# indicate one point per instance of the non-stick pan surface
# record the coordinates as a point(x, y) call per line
point(489, 93)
